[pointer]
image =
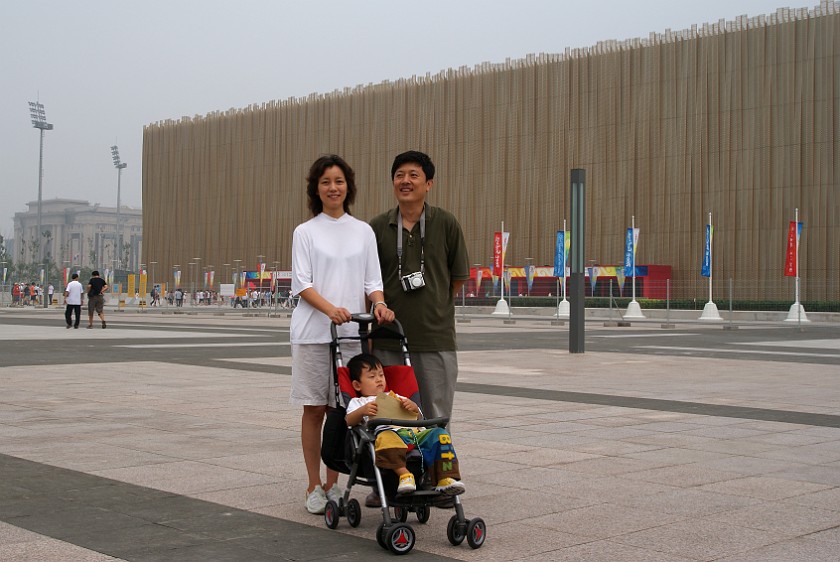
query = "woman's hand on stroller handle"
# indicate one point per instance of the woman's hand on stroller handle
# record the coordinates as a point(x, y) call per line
point(339, 315)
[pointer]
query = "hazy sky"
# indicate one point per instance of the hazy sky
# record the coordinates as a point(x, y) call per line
point(104, 70)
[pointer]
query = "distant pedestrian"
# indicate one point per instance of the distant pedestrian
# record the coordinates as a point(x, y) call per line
point(179, 297)
point(50, 293)
point(73, 300)
point(96, 298)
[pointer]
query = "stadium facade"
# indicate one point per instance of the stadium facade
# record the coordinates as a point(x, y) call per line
point(738, 118)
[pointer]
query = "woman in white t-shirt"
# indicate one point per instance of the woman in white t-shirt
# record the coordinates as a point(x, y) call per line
point(335, 266)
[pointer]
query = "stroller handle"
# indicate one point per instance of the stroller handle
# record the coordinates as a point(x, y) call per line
point(364, 320)
point(376, 422)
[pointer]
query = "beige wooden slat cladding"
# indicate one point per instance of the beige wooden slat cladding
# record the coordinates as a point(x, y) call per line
point(738, 118)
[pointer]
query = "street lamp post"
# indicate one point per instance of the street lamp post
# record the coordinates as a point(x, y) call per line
point(120, 166)
point(39, 121)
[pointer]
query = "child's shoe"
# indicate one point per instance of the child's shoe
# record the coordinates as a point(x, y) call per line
point(407, 484)
point(450, 487)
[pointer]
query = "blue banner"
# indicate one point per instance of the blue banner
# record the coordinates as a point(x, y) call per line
point(560, 255)
point(628, 254)
point(706, 269)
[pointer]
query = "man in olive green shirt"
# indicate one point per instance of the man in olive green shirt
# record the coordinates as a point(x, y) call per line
point(421, 279)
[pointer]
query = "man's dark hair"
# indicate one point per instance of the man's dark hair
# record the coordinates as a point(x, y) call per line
point(94, 273)
point(317, 170)
point(359, 362)
point(414, 157)
point(74, 276)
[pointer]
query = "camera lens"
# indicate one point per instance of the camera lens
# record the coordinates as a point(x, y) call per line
point(416, 281)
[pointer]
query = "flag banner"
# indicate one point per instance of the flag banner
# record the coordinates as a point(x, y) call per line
point(794, 231)
point(593, 278)
point(499, 247)
point(619, 278)
point(211, 277)
point(66, 275)
point(630, 243)
point(177, 276)
point(529, 276)
point(507, 277)
point(560, 254)
point(242, 276)
point(706, 269)
point(4, 276)
point(42, 277)
point(262, 268)
point(478, 273)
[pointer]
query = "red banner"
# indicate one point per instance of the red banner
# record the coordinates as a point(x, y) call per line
point(790, 260)
point(497, 253)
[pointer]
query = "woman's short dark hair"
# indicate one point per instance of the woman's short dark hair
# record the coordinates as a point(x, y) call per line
point(317, 170)
point(414, 157)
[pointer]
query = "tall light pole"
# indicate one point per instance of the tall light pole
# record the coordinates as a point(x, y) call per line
point(39, 121)
point(195, 287)
point(120, 166)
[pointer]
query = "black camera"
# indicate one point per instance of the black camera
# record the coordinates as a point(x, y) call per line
point(413, 281)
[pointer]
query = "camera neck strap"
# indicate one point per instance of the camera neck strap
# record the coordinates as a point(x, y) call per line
point(400, 240)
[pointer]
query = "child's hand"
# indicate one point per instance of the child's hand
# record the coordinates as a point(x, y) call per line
point(370, 409)
point(409, 405)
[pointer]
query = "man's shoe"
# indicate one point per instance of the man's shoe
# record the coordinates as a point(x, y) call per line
point(104, 325)
point(373, 499)
point(316, 500)
point(90, 326)
point(68, 326)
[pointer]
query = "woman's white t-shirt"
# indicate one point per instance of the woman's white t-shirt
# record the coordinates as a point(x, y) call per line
point(337, 258)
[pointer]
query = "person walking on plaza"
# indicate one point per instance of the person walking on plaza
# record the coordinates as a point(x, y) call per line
point(424, 262)
point(50, 293)
point(73, 301)
point(96, 298)
point(334, 269)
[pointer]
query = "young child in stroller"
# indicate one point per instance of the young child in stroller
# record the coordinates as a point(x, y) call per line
point(392, 443)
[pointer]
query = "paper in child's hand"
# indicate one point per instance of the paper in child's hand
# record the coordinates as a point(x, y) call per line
point(389, 406)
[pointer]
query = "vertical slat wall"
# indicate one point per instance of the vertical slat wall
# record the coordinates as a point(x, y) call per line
point(738, 118)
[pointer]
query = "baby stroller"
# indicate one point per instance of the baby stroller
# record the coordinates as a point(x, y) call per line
point(351, 451)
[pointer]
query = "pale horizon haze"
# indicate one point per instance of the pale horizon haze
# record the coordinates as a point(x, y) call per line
point(104, 70)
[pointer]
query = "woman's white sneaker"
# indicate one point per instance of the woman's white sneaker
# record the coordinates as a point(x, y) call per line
point(316, 500)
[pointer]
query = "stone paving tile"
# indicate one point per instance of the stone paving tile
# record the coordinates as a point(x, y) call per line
point(186, 477)
point(764, 487)
point(535, 478)
point(783, 519)
point(610, 550)
point(828, 475)
point(683, 475)
point(602, 466)
point(606, 520)
point(666, 456)
point(795, 549)
point(699, 539)
point(829, 535)
point(824, 499)
point(754, 466)
point(44, 549)
point(690, 502)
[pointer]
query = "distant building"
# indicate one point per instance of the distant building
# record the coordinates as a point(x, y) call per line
point(79, 234)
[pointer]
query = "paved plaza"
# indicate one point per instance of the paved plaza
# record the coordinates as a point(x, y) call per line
point(169, 437)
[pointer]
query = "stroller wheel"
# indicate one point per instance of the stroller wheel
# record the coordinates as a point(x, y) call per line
point(423, 513)
point(354, 512)
point(400, 539)
point(476, 532)
point(455, 531)
point(401, 514)
point(381, 537)
point(331, 514)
